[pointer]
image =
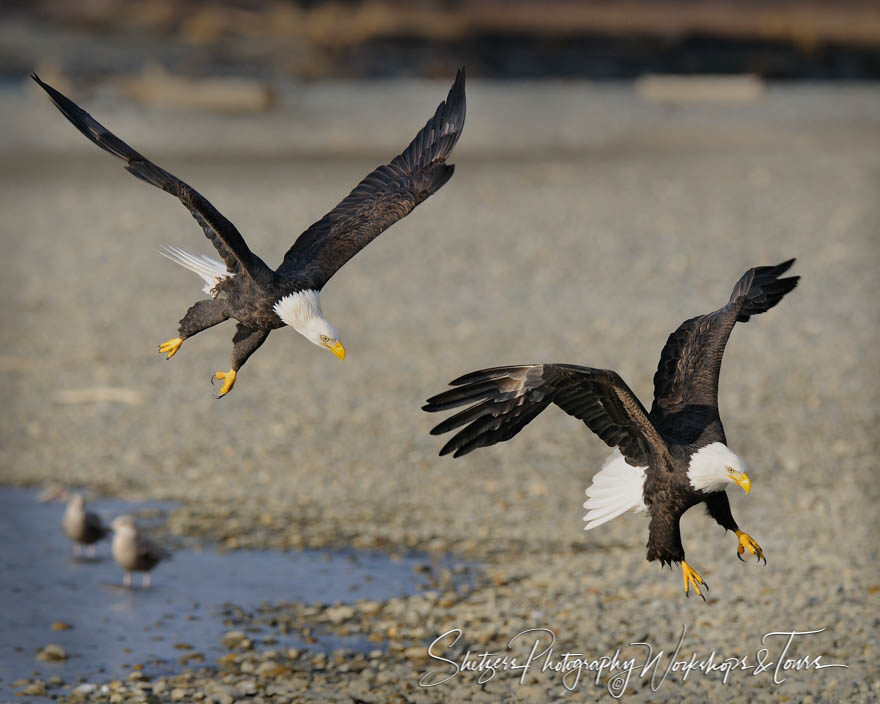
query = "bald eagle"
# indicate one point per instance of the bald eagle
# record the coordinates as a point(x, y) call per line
point(665, 461)
point(242, 286)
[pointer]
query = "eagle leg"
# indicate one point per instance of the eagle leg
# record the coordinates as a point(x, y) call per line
point(228, 379)
point(746, 542)
point(692, 578)
point(171, 346)
point(200, 316)
point(245, 342)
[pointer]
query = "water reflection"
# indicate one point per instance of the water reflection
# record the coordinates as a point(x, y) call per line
point(113, 627)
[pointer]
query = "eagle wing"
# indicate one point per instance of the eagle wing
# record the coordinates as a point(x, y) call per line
point(506, 399)
point(385, 196)
point(690, 364)
point(222, 233)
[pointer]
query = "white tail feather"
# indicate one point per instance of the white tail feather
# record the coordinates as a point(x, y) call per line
point(616, 489)
point(209, 270)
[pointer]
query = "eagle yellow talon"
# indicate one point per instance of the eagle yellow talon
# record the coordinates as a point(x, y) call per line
point(747, 543)
point(171, 346)
point(692, 578)
point(228, 379)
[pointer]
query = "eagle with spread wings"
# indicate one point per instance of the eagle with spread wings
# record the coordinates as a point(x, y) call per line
point(665, 460)
point(242, 286)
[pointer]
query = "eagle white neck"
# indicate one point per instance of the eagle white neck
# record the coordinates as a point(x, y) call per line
point(300, 310)
point(707, 469)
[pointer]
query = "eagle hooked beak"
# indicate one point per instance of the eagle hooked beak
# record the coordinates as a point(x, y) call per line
point(742, 479)
point(337, 349)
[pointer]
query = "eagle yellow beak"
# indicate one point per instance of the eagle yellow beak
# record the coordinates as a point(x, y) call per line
point(743, 480)
point(338, 350)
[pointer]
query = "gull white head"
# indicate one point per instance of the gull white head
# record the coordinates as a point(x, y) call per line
point(302, 311)
point(124, 525)
point(714, 468)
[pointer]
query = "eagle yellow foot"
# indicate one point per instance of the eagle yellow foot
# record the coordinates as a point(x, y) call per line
point(228, 379)
point(747, 543)
point(692, 578)
point(171, 346)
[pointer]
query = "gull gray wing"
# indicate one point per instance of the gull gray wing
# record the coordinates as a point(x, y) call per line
point(506, 399)
point(149, 553)
point(222, 233)
point(95, 528)
point(386, 195)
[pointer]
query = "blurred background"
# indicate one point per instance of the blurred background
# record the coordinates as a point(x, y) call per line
point(622, 164)
point(275, 39)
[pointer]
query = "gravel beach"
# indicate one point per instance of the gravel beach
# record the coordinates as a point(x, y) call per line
point(582, 225)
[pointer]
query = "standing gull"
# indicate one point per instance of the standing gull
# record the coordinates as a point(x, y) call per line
point(242, 286)
point(81, 526)
point(135, 552)
point(665, 461)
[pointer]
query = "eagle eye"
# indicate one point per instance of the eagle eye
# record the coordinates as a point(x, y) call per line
point(324, 338)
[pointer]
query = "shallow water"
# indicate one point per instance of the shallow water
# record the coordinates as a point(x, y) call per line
point(114, 627)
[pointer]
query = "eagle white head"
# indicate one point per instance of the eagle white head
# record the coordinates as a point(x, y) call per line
point(302, 311)
point(714, 468)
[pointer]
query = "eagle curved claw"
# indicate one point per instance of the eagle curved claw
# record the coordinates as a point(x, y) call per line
point(746, 542)
point(171, 346)
point(692, 578)
point(228, 382)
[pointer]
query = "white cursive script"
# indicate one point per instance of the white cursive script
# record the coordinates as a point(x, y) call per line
point(533, 650)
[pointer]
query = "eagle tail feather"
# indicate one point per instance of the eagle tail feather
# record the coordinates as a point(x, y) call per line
point(206, 268)
point(616, 489)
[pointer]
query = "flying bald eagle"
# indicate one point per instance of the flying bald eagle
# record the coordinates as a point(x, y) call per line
point(242, 286)
point(665, 461)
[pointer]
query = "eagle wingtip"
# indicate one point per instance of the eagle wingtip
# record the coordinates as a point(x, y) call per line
point(436, 430)
point(45, 86)
point(431, 405)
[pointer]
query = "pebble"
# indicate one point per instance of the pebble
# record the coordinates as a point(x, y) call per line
point(52, 653)
point(272, 669)
point(416, 652)
point(338, 614)
point(236, 639)
point(35, 689)
point(224, 695)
